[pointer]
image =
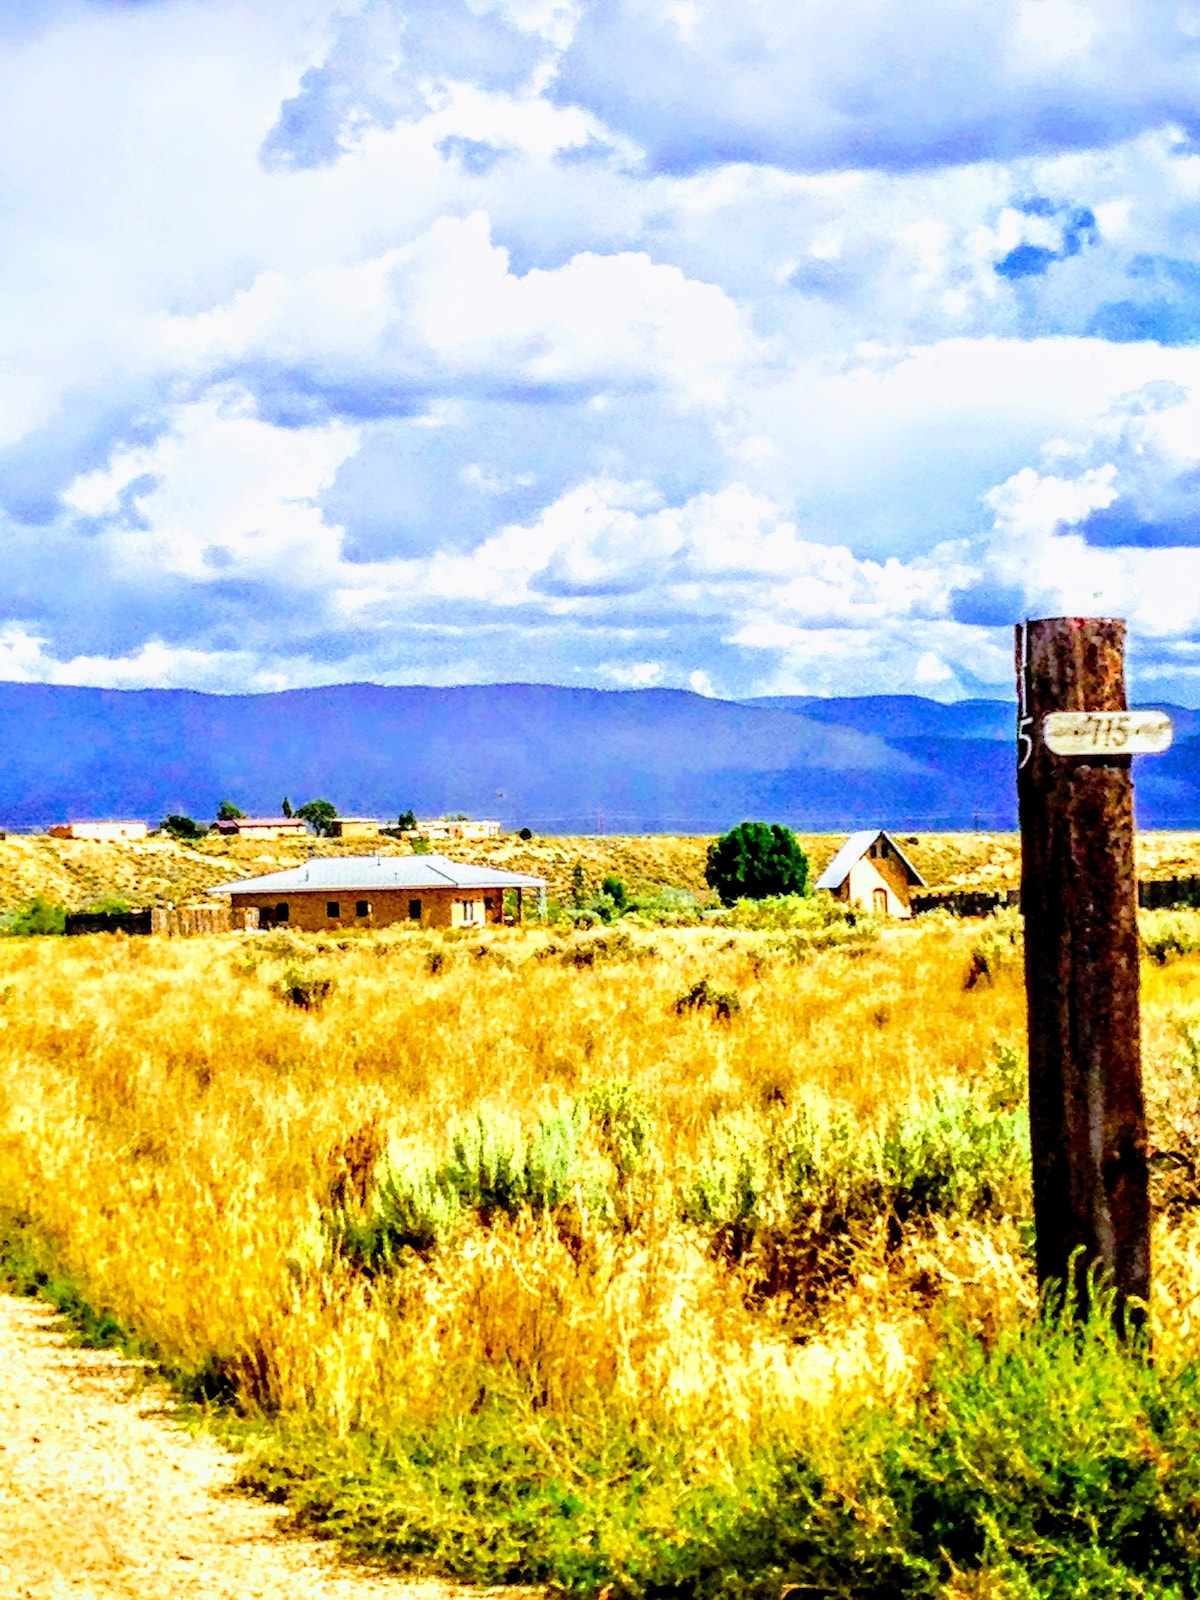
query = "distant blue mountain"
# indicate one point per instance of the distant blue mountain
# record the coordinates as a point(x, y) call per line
point(554, 759)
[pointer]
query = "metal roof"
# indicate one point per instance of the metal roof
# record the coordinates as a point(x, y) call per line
point(322, 873)
point(260, 822)
point(855, 847)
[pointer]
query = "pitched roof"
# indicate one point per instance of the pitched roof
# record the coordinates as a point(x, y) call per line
point(322, 873)
point(855, 847)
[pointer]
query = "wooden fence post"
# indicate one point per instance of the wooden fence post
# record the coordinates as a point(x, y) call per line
point(1079, 897)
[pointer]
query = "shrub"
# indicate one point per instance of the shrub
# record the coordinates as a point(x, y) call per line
point(754, 860)
point(623, 1122)
point(228, 812)
point(304, 987)
point(702, 996)
point(666, 907)
point(525, 834)
point(615, 890)
point(109, 905)
point(1001, 946)
point(181, 827)
point(812, 922)
point(486, 1168)
point(407, 821)
point(40, 916)
point(1166, 935)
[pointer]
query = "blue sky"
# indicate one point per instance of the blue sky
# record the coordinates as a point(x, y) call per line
point(753, 347)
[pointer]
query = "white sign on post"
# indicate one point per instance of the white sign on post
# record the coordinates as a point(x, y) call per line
point(1107, 733)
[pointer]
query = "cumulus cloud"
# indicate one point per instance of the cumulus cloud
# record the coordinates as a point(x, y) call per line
point(760, 349)
point(820, 87)
point(447, 312)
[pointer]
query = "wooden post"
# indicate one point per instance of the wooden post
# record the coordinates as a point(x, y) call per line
point(1079, 897)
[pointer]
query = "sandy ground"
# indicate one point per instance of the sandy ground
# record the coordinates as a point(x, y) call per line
point(102, 1496)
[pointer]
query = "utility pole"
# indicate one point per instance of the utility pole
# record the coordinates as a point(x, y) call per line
point(1079, 897)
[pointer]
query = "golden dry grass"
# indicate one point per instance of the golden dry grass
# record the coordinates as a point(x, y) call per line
point(176, 1127)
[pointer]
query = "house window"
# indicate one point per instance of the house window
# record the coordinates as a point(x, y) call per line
point(879, 897)
point(281, 912)
point(333, 908)
point(414, 911)
point(362, 908)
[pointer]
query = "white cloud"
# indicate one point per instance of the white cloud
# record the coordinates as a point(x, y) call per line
point(448, 308)
point(221, 494)
point(27, 658)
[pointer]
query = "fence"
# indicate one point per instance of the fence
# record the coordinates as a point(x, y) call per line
point(966, 902)
point(109, 922)
point(1154, 894)
point(169, 922)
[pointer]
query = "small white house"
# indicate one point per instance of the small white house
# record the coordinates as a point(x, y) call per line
point(872, 872)
point(104, 832)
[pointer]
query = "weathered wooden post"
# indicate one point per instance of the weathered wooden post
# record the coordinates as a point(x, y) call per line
point(1079, 897)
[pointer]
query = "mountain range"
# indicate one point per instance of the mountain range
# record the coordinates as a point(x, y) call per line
point(557, 760)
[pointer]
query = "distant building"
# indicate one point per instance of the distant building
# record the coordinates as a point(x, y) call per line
point(261, 827)
point(447, 828)
point(872, 872)
point(354, 828)
point(374, 891)
point(105, 831)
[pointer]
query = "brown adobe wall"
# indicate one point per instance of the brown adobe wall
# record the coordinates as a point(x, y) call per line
point(440, 908)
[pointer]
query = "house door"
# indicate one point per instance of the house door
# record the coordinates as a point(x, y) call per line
point(879, 902)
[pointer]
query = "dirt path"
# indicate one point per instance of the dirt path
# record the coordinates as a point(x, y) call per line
point(101, 1498)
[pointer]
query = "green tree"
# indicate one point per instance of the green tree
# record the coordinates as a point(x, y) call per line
point(228, 812)
point(407, 821)
point(286, 807)
point(754, 860)
point(615, 889)
point(319, 814)
point(181, 827)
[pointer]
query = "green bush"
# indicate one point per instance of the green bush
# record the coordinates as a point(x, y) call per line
point(305, 987)
point(228, 812)
point(623, 1122)
point(703, 996)
point(1054, 1464)
point(754, 860)
point(614, 888)
point(1167, 935)
point(811, 922)
point(40, 916)
point(181, 827)
point(802, 1189)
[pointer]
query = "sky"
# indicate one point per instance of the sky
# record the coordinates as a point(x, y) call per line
point(744, 346)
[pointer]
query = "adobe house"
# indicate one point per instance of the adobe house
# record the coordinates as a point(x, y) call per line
point(872, 872)
point(455, 828)
point(107, 832)
point(354, 828)
point(331, 892)
point(261, 827)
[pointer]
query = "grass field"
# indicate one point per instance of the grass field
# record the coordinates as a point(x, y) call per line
point(693, 1261)
point(78, 873)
